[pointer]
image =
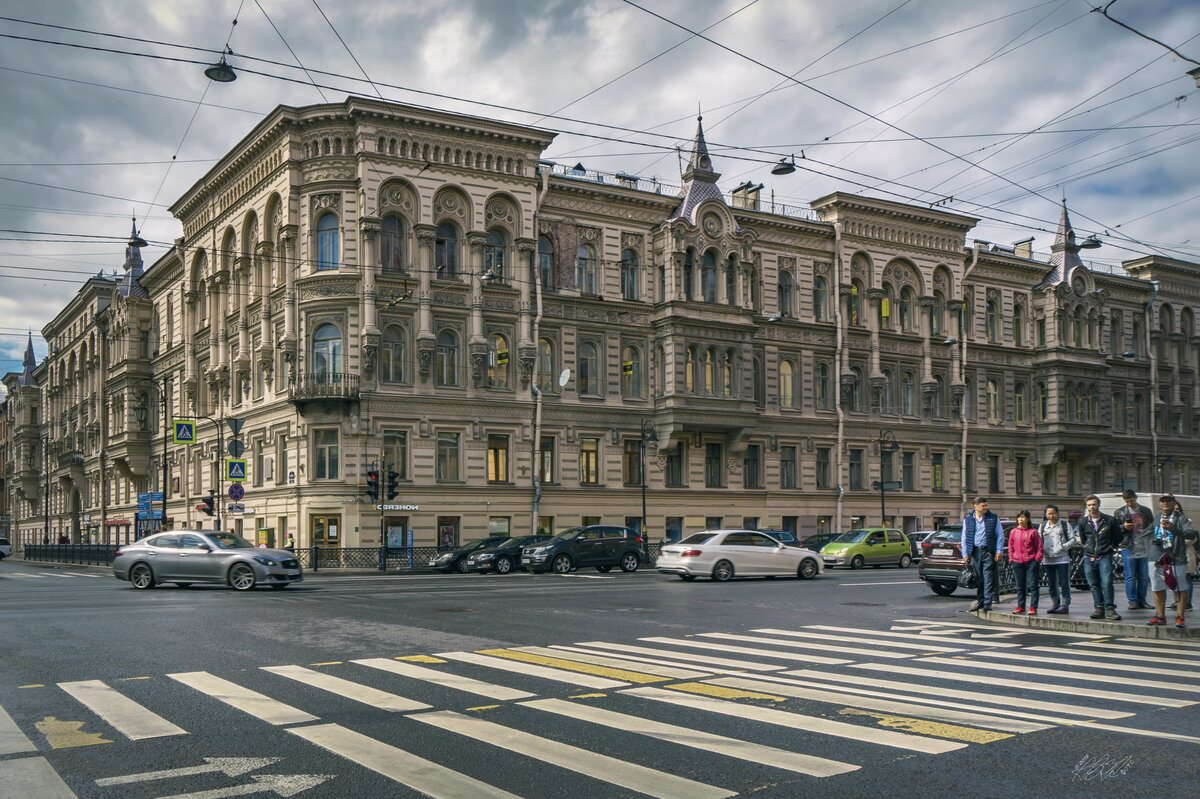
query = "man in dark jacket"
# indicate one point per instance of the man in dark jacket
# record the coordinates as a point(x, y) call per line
point(1101, 535)
point(1137, 523)
point(982, 545)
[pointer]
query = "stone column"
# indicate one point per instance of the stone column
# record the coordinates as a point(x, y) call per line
point(370, 234)
point(525, 275)
point(426, 235)
point(875, 299)
point(291, 313)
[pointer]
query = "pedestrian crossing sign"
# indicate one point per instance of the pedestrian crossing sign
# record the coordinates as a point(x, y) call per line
point(235, 470)
point(185, 431)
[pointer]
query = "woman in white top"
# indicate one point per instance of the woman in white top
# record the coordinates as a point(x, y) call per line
point(1058, 537)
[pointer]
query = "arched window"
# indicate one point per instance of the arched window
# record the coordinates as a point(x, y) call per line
point(821, 396)
point(731, 281)
point(854, 396)
point(906, 309)
point(1043, 402)
point(1020, 400)
point(545, 355)
point(854, 302)
point(1077, 327)
point(1019, 323)
point(908, 394)
point(993, 402)
point(327, 242)
point(727, 375)
point(445, 252)
point(493, 254)
point(689, 274)
point(710, 370)
point(708, 277)
point(938, 399)
point(689, 369)
point(992, 313)
point(820, 299)
point(885, 393)
point(585, 269)
point(760, 382)
point(629, 275)
point(787, 385)
point(936, 312)
point(327, 355)
point(497, 361)
point(785, 294)
point(391, 244)
point(887, 308)
point(589, 370)
point(631, 372)
point(1139, 412)
point(545, 262)
point(391, 356)
point(447, 359)
point(1072, 402)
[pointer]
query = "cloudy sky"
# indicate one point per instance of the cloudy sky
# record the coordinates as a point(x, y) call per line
point(1002, 106)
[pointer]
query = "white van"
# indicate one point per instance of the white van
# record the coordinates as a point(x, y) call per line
point(1189, 502)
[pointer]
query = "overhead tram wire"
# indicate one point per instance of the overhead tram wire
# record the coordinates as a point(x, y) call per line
point(279, 33)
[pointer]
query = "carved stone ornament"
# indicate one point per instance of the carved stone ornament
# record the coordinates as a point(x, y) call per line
point(501, 212)
point(328, 172)
point(396, 197)
point(331, 200)
point(369, 352)
point(319, 292)
point(449, 203)
point(712, 225)
point(589, 234)
point(632, 241)
point(424, 358)
point(478, 362)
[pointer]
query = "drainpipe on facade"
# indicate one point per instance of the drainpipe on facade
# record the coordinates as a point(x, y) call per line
point(962, 408)
point(1147, 312)
point(837, 372)
point(102, 404)
point(533, 380)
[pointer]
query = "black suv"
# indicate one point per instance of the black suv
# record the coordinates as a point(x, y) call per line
point(599, 545)
point(455, 560)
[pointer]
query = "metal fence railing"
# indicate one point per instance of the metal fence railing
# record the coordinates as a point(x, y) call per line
point(87, 554)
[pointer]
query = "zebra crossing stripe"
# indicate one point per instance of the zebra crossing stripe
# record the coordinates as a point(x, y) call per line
point(345, 688)
point(642, 660)
point(601, 660)
point(445, 679)
point(745, 650)
point(602, 767)
point(261, 707)
point(33, 776)
point(1086, 677)
point(532, 670)
point(572, 665)
point(854, 639)
point(696, 739)
point(1058, 650)
point(12, 740)
point(1028, 685)
point(886, 705)
point(128, 717)
point(746, 665)
point(799, 721)
point(865, 636)
point(845, 650)
point(1163, 642)
point(1007, 701)
point(1089, 664)
point(417, 773)
point(1150, 650)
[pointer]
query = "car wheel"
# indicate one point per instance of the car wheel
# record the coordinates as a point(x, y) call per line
point(808, 569)
point(141, 576)
point(561, 564)
point(942, 589)
point(241, 577)
point(629, 562)
point(904, 561)
point(688, 577)
point(722, 571)
point(461, 567)
point(503, 566)
point(857, 562)
point(604, 569)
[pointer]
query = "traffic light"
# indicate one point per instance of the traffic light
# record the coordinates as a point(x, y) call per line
point(373, 485)
point(208, 505)
point(393, 484)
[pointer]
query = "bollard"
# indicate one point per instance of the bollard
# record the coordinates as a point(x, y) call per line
point(383, 557)
point(315, 556)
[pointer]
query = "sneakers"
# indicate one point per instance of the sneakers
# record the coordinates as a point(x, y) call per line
point(1156, 621)
point(1112, 615)
point(1098, 613)
point(1020, 611)
point(1138, 606)
point(1033, 611)
point(976, 605)
point(1055, 609)
point(1178, 621)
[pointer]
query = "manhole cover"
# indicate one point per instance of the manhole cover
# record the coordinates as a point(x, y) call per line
point(457, 610)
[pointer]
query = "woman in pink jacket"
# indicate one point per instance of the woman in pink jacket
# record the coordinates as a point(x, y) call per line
point(1025, 555)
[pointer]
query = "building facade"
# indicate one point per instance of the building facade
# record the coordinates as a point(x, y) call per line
point(375, 288)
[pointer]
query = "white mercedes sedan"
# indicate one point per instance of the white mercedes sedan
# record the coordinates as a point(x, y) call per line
point(725, 554)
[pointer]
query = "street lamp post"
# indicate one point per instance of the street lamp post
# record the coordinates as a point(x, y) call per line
point(46, 493)
point(651, 439)
point(885, 436)
point(139, 412)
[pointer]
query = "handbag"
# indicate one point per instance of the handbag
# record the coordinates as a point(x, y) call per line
point(967, 578)
point(1168, 569)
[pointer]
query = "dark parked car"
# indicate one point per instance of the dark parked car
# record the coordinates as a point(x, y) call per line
point(600, 545)
point(816, 542)
point(198, 556)
point(942, 560)
point(456, 559)
point(502, 558)
point(782, 536)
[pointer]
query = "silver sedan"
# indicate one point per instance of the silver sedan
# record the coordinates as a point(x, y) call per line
point(198, 556)
point(725, 554)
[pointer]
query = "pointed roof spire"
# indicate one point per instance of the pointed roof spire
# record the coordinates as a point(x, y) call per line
point(30, 362)
point(699, 179)
point(700, 164)
point(1064, 253)
point(130, 287)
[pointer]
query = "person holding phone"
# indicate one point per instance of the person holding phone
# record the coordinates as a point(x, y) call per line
point(1137, 523)
point(1173, 536)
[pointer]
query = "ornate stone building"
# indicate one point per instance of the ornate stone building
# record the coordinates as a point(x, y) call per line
point(371, 286)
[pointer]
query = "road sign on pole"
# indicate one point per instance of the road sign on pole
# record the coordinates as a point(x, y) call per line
point(235, 470)
point(235, 425)
point(236, 448)
point(236, 492)
point(185, 431)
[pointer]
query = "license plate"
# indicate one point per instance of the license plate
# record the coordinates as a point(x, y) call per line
point(946, 552)
point(433, 563)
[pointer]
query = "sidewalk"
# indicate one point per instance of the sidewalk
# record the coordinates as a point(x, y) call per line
point(1132, 623)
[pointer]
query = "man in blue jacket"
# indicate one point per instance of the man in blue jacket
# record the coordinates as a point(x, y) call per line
point(982, 546)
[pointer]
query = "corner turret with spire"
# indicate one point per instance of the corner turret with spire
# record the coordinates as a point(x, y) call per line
point(699, 179)
point(1064, 253)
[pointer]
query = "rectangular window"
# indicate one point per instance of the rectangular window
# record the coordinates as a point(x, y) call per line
point(258, 462)
point(589, 461)
point(856, 469)
point(823, 470)
point(969, 477)
point(939, 472)
point(546, 459)
point(1040, 326)
point(752, 467)
point(909, 475)
point(994, 474)
point(787, 467)
point(447, 457)
point(887, 468)
point(631, 463)
point(713, 473)
point(281, 456)
point(325, 454)
point(1021, 489)
point(676, 458)
point(395, 452)
point(497, 459)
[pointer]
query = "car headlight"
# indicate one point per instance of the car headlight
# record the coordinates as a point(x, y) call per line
point(485, 557)
point(264, 560)
point(443, 558)
point(541, 550)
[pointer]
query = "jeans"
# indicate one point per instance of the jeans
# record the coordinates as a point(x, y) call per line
point(985, 572)
point(1100, 580)
point(1058, 575)
point(1137, 577)
point(1027, 583)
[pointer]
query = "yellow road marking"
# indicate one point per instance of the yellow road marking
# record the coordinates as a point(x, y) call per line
point(574, 665)
point(721, 692)
point(483, 707)
point(66, 734)
point(127, 679)
point(33, 685)
point(588, 696)
point(327, 663)
point(421, 658)
point(937, 729)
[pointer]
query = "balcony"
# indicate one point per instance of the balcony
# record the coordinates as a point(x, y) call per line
point(68, 459)
point(323, 387)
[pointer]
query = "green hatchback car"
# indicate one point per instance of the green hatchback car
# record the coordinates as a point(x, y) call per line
point(873, 546)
